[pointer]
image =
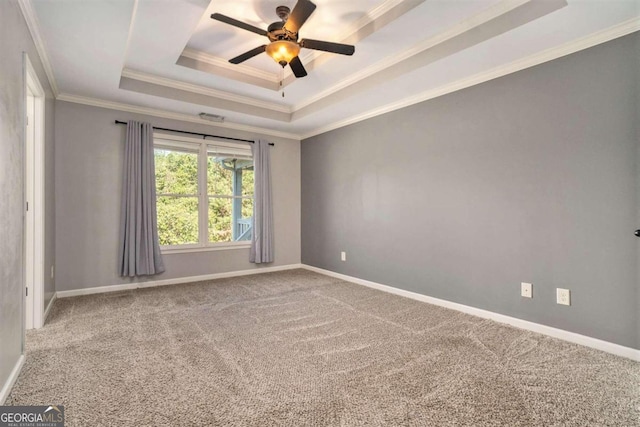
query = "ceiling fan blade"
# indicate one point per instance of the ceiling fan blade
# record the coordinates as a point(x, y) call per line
point(239, 24)
point(343, 49)
point(299, 15)
point(297, 67)
point(250, 54)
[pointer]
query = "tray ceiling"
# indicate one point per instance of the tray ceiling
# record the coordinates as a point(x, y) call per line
point(169, 56)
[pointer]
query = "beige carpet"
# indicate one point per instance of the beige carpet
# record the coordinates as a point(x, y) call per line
point(300, 349)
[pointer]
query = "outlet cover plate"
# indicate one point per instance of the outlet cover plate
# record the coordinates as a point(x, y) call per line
point(526, 290)
point(563, 296)
point(343, 256)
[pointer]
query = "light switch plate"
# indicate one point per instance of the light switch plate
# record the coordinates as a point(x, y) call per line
point(563, 296)
point(526, 290)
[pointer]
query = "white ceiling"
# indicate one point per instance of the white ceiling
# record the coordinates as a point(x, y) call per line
point(169, 58)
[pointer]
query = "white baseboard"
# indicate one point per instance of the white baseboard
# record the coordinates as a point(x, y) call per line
point(176, 281)
point(13, 377)
point(595, 343)
point(48, 309)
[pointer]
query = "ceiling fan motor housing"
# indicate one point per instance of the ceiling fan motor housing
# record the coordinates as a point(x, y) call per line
point(277, 31)
point(283, 13)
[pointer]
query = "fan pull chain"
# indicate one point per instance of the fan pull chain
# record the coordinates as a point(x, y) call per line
point(282, 81)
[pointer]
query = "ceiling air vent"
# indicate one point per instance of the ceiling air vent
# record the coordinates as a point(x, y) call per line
point(211, 117)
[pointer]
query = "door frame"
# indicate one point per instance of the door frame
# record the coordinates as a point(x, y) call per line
point(34, 161)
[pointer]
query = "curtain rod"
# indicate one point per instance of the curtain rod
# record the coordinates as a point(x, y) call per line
point(204, 135)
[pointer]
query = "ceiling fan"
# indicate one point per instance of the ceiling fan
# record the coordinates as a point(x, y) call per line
point(283, 35)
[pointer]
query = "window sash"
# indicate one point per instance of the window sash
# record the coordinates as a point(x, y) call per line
point(204, 149)
point(225, 196)
point(177, 195)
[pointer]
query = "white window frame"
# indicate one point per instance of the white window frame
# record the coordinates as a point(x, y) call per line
point(199, 146)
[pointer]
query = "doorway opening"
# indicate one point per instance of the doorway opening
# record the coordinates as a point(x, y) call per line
point(34, 198)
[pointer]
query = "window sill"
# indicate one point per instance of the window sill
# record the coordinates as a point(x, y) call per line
point(220, 247)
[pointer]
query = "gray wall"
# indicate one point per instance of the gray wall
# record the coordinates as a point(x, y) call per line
point(527, 178)
point(89, 155)
point(14, 40)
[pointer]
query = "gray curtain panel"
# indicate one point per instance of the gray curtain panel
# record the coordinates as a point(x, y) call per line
point(262, 241)
point(139, 252)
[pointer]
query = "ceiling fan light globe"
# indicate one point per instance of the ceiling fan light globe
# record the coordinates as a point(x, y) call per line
point(283, 51)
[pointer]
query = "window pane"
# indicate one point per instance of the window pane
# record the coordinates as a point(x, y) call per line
point(247, 208)
point(230, 219)
point(177, 220)
point(176, 172)
point(247, 182)
point(220, 176)
point(220, 210)
point(244, 224)
point(225, 173)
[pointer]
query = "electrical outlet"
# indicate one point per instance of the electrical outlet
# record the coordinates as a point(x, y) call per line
point(563, 296)
point(526, 290)
point(52, 272)
point(343, 256)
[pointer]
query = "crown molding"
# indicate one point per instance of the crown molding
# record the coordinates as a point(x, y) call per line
point(384, 12)
point(350, 34)
point(95, 102)
point(375, 14)
point(463, 26)
point(203, 90)
point(132, 23)
point(236, 68)
point(34, 28)
point(209, 64)
point(619, 30)
point(379, 12)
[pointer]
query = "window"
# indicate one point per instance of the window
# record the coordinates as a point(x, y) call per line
point(204, 193)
